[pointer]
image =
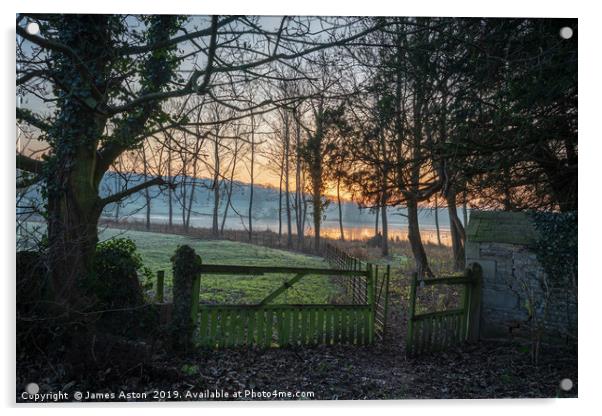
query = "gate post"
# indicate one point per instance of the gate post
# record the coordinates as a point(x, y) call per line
point(196, 292)
point(474, 306)
point(186, 281)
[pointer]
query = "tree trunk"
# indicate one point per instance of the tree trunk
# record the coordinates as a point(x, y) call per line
point(184, 188)
point(457, 230)
point(289, 227)
point(252, 174)
point(340, 209)
point(465, 210)
point(317, 203)
point(229, 190)
point(437, 220)
point(376, 222)
point(385, 227)
point(304, 204)
point(420, 259)
point(299, 209)
point(118, 203)
point(147, 197)
point(73, 213)
point(73, 178)
point(280, 201)
point(194, 160)
point(169, 190)
point(304, 220)
point(216, 185)
point(191, 199)
point(148, 208)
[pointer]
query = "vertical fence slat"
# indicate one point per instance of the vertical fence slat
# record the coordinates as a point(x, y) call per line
point(312, 326)
point(457, 321)
point(242, 326)
point(336, 330)
point(331, 327)
point(212, 328)
point(443, 335)
point(418, 337)
point(327, 327)
point(260, 323)
point(203, 335)
point(351, 324)
point(435, 334)
point(251, 327)
point(424, 337)
point(439, 334)
point(230, 324)
point(320, 326)
point(344, 326)
point(295, 326)
point(223, 317)
point(304, 322)
point(286, 327)
point(269, 328)
point(355, 327)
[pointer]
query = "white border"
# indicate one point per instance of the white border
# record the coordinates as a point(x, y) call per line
point(590, 230)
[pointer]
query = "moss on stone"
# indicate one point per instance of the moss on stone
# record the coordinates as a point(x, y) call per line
point(501, 227)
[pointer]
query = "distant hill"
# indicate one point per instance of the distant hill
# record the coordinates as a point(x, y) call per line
point(265, 205)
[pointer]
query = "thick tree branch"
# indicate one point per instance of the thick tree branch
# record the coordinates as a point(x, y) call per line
point(28, 164)
point(36, 73)
point(134, 50)
point(124, 194)
point(30, 118)
point(48, 44)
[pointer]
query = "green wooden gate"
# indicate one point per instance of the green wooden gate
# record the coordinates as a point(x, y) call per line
point(278, 325)
point(223, 326)
point(435, 331)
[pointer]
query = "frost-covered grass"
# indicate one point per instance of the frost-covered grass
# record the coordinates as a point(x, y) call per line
point(156, 250)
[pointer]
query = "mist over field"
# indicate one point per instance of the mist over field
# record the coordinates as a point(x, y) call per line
point(359, 223)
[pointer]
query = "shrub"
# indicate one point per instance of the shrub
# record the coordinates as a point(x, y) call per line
point(117, 267)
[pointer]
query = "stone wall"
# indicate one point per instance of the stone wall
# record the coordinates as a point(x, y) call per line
point(510, 271)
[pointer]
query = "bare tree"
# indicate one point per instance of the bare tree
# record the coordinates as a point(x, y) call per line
point(103, 107)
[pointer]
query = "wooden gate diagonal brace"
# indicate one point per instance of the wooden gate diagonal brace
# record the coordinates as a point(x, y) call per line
point(287, 284)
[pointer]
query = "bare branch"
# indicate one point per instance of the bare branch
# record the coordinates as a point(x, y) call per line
point(28, 164)
point(28, 117)
point(124, 194)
